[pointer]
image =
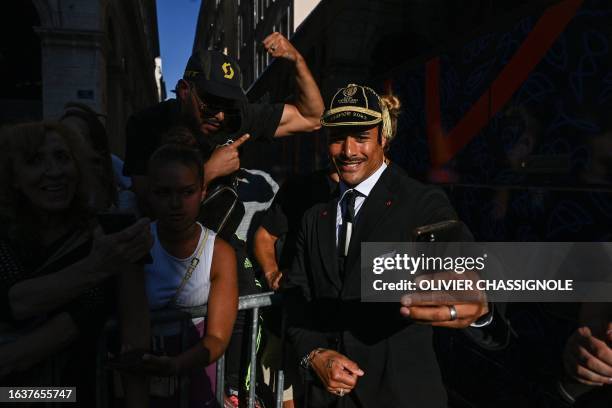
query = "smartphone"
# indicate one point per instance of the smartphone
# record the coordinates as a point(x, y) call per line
point(444, 231)
point(112, 222)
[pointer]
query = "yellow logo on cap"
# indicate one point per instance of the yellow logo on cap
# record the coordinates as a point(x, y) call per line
point(228, 70)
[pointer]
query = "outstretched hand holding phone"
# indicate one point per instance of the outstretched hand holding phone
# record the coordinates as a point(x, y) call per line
point(452, 309)
point(121, 238)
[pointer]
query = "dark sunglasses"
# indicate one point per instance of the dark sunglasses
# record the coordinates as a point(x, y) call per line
point(216, 105)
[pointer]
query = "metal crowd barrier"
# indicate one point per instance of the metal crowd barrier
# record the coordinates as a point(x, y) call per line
point(250, 302)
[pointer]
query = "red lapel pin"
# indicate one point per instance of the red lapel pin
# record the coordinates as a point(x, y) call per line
point(388, 203)
point(324, 213)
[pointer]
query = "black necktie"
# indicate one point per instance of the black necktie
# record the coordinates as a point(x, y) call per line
point(348, 220)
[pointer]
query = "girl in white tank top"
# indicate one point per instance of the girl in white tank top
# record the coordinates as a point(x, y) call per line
point(167, 271)
point(191, 267)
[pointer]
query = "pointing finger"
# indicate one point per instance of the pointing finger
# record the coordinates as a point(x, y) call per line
point(240, 141)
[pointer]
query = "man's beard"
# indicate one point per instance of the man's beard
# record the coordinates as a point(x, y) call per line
point(188, 118)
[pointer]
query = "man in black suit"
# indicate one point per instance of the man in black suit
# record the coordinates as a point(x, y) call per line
point(366, 354)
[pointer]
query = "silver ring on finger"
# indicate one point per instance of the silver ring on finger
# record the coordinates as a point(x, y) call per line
point(453, 313)
point(273, 48)
point(341, 392)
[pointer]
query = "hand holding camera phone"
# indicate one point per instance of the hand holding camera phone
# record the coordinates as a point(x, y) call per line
point(444, 231)
point(113, 222)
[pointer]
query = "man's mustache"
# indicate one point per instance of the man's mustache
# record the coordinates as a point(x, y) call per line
point(211, 121)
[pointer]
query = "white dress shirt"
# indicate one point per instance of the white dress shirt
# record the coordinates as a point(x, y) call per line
point(363, 190)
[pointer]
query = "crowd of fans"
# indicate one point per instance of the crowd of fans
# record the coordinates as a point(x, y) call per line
point(86, 237)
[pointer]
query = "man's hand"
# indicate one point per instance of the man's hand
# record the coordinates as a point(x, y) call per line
point(337, 372)
point(273, 278)
point(304, 114)
point(224, 160)
point(436, 307)
point(279, 47)
point(588, 358)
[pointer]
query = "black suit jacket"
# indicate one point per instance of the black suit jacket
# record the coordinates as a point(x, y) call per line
point(396, 355)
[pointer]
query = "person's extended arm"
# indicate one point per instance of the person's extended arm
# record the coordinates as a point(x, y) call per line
point(32, 297)
point(305, 114)
point(222, 301)
point(265, 254)
point(44, 341)
point(437, 310)
point(222, 309)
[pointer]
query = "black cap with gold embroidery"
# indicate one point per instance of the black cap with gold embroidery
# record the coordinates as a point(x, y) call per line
point(215, 73)
point(353, 105)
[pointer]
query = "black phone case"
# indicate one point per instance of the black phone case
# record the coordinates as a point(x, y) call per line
point(114, 222)
point(444, 231)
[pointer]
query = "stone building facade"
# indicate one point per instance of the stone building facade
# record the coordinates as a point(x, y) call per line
point(238, 27)
point(103, 53)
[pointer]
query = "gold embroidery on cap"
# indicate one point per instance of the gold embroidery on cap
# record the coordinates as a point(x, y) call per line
point(227, 70)
point(350, 91)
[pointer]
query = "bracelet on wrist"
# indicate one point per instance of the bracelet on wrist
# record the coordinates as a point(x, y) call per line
point(306, 361)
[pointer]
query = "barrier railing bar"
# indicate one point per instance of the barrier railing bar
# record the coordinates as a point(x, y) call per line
point(220, 392)
point(253, 302)
point(253, 364)
point(184, 380)
point(101, 376)
point(171, 315)
point(280, 387)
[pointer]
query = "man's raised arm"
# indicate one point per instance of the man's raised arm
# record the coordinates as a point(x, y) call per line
point(305, 114)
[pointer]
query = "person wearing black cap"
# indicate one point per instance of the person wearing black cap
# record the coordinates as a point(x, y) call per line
point(365, 354)
point(210, 100)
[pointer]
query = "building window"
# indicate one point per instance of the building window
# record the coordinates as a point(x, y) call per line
point(290, 27)
point(209, 37)
point(261, 11)
point(255, 61)
point(259, 63)
point(255, 13)
point(239, 36)
point(284, 25)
